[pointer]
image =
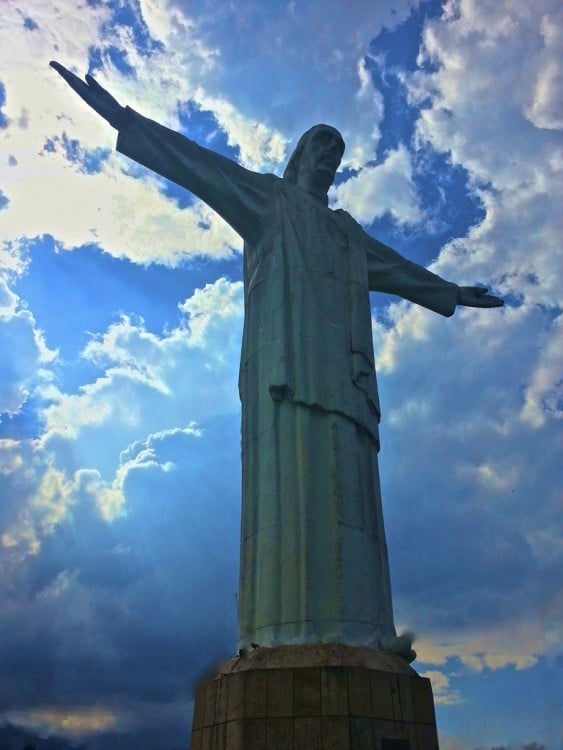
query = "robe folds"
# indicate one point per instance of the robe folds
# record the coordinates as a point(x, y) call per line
point(313, 559)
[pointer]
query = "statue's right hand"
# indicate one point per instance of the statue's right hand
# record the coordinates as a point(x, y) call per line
point(94, 95)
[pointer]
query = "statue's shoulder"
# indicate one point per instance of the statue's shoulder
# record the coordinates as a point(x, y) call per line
point(347, 220)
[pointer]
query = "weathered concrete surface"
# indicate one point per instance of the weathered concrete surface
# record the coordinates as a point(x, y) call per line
point(315, 655)
point(314, 697)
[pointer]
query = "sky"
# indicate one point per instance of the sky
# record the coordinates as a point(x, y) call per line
point(121, 308)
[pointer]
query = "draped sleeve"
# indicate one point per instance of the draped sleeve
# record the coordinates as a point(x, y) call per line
point(391, 273)
point(240, 196)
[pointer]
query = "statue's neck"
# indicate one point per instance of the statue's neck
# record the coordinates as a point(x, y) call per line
point(322, 197)
point(318, 190)
point(318, 195)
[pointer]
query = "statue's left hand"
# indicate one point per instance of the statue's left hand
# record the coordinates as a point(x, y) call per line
point(476, 296)
point(93, 94)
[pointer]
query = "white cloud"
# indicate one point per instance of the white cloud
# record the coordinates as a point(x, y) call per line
point(90, 528)
point(132, 595)
point(441, 688)
point(149, 385)
point(546, 107)
point(480, 96)
point(107, 496)
point(24, 352)
point(376, 190)
point(471, 405)
point(196, 63)
point(67, 202)
point(125, 216)
point(153, 382)
point(544, 393)
point(207, 308)
point(481, 524)
point(8, 301)
point(73, 722)
point(306, 64)
point(518, 643)
point(36, 496)
point(260, 147)
point(13, 260)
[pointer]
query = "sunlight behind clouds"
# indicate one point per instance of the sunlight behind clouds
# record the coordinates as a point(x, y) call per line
point(120, 452)
point(36, 496)
point(78, 208)
point(148, 382)
point(25, 353)
point(76, 722)
point(321, 49)
point(519, 643)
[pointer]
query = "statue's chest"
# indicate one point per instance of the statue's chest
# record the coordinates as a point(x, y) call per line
point(305, 246)
point(317, 235)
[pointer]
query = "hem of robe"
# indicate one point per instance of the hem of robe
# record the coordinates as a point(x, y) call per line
point(302, 632)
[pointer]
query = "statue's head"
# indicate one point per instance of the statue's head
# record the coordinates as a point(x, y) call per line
point(316, 158)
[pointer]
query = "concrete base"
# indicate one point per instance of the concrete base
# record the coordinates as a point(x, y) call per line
point(318, 697)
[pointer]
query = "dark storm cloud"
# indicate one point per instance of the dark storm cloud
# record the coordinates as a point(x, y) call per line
point(137, 609)
point(472, 528)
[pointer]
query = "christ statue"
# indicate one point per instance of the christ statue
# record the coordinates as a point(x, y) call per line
point(313, 555)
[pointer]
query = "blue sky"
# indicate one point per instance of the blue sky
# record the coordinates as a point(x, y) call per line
point(120, 328)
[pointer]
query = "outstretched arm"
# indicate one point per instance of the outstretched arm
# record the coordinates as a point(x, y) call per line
point(476, 296)
point(390, 272)
point(240, 196)
point(94, 95)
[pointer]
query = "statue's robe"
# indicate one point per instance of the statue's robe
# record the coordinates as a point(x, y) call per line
point(313, 557)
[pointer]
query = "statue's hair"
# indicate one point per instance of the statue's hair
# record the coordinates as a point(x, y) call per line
point(292, 168)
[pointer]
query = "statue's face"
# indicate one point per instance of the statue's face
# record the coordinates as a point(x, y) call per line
point(323, 152)
point(321, 157)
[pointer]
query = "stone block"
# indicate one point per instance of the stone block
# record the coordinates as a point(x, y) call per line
point(426, 737)
point(222, 704)
point(235, 735)
point(220, 737)
point(423, 701)
point(279, 701)
point(255, 694)
point(306, 733)
point(197, 737)
point(396, 744)
point(315, 707)
point(402, 698)
point(359, 695)
point(381, 696)
point(207, 738)
point(334, 692)
point(361, 733)
point(383, 728)
point(209, 704)
point(404, 731)
point(307, 691)
point(335, 733)
point(199, 704)
point(254, 734)
point(279, 734)
point(235, 696)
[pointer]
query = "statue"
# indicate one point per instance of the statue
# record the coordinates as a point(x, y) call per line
point(313, 560)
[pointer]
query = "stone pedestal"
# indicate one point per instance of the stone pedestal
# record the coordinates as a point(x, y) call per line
point(315, 697)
